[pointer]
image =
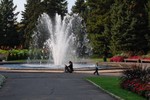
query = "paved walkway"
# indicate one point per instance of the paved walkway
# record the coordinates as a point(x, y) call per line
point(50, 86)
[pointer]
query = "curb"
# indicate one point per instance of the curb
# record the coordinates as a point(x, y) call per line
point(111, 94)
point(2, 80)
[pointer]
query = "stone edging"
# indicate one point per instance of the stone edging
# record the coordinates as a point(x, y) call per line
point(115, 96)
point(2, 79)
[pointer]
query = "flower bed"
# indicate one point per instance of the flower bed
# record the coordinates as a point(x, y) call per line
point(135, 57)
point(137, 80)
point(117, 59)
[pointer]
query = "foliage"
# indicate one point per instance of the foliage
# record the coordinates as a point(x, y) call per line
point(33, 9)
point(137, 79)
point(51, 7)
point(8, 33)
point(80, 8)
point(115, 25)
point(17, 54)
point(112, 85)
point(14, 54)
point(125, 21)
point(99, 17)
point(117, 59)
point(30, 16)
point(38, 54)
point(23, 54)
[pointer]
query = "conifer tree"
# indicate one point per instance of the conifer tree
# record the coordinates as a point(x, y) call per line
point(98, 17)
point(51, 7)
point(32, 11)
point(128, 28)
point(8, 35)
point(80, 8)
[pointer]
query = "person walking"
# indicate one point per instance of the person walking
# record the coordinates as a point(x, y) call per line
point(96, 69)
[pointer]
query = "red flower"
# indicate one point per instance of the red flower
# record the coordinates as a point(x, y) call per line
point(117, 59)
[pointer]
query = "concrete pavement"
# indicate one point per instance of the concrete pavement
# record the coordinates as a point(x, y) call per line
point(50, 86)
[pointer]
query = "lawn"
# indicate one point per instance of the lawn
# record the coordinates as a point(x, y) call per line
point(111, 84)
point(99, 59)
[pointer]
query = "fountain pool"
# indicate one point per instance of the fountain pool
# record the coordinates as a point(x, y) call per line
point(62, 40)
point(45, 66)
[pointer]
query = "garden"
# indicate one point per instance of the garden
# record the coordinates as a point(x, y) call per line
point(22, 54)
point(134, 84)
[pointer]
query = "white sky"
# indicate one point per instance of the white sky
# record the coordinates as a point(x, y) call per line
point(20, 6)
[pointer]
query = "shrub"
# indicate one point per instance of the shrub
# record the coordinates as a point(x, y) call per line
point(17, 54)
point(137, 79)
point(117, 59)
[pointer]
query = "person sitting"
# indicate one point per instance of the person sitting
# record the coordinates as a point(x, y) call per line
point(69, 68)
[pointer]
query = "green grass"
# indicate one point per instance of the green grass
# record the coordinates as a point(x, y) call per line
point(99, 59)
point(111, 84)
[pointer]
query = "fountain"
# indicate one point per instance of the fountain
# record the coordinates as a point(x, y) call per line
point(58, 41)
point(64, 39)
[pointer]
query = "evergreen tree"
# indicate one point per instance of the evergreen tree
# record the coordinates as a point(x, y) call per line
point(148, 10)
point(52, 7)
point(32, 11)
point(80, 8)
point(121, 27)
point(98, 17)
point(8, 34)
point(34, 8)
point(1, 29)
point(128, 29)
point(138, 7)
point(148, 21)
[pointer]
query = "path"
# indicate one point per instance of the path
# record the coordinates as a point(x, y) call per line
point(50, 86)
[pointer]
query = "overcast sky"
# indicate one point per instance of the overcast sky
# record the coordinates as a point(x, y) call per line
point(20, 6)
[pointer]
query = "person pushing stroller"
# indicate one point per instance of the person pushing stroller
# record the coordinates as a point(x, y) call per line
point(69, 68)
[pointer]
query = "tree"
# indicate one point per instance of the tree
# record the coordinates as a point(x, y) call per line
point(8, 36)
point(80, 8)
point(51, 7)
point(128, 26)
point(138, 8)
point(98, 17)
point(148, 35)
point(148, 10)
point(33, 10)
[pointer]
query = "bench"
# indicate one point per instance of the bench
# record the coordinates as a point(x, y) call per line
point(145, 60)
point(131, 60)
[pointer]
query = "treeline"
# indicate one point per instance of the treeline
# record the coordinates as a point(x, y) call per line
point(13, 33)
point(113, 25)
point(116, 25)
point(9, 32)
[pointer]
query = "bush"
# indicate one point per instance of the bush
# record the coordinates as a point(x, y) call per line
point(137, 79)
point(17, 54)
point(117, 59)
point(3, 55)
